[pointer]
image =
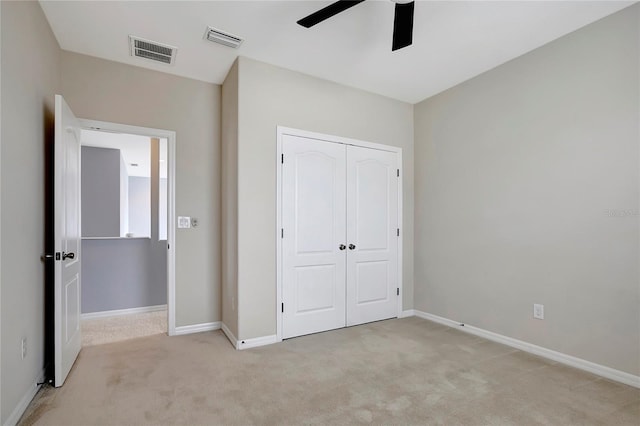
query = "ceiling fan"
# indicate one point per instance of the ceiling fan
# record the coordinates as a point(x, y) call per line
point(402, 22)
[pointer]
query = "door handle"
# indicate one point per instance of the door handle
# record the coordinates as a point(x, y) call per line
point(68, 255)
point(342, 247)
point(351, 246)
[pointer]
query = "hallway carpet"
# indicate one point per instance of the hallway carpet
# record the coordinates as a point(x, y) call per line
point(404, 371)
point(99, 331)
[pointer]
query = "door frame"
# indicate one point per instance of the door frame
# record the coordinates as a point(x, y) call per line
point(170, 135)
point(283, 131)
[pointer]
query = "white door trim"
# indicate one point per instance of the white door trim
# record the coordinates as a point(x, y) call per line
point(281, 132)
point(171, 199)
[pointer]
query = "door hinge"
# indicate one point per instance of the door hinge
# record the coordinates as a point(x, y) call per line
point(397, 232)
point(283, 307)
point(281, 232)
point(398, 172)
point(282, 158)
point(398, 291)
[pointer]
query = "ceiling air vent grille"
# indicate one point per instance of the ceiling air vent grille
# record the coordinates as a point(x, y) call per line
point(218, 36)
point(152, 50)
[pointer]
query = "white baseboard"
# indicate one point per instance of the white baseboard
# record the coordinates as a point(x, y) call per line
point(26, 399)
point(407, 313)
point(230, 335)
point(248, 343)
point(120, 312)
point(257, 341)
point(582, 364)
point(197, 328)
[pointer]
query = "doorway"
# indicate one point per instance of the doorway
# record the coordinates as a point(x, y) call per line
point(128, 186)
point(124, 228)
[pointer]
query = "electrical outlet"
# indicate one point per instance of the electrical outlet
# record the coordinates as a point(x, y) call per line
point(24, 348)
point(538, 311)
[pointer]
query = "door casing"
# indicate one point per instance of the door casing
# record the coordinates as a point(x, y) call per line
point(282, 131)
point(171, 207)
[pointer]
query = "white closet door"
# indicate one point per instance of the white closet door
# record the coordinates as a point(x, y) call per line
point(372, 222)
point(313, 218)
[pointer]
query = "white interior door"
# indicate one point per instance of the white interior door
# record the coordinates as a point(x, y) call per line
point(67, 232)
point(372, 235)
point(313, 236)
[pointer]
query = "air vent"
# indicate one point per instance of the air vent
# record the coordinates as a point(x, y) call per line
point(152, 50)
point(218, 36)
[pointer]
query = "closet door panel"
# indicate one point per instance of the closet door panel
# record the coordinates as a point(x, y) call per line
point(372, 222)
point(314, 227)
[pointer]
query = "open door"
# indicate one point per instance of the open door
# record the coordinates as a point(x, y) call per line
point(67, 339)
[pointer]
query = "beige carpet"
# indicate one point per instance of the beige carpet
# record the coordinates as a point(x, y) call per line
point(406, 371)
point(124, 327)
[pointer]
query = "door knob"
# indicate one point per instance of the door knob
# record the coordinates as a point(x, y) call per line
point(351, 246)
point(342, 247)
point(68, 255)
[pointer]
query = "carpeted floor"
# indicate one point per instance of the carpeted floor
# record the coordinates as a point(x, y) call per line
point(124, 327)
point(405, 371)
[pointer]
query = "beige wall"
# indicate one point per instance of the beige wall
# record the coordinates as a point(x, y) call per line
point(30, 78)
point(271, 96)
point(515, 170)
point(229, 168)
point(109, 91)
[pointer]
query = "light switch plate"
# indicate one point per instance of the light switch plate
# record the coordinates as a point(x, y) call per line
point(184, 222)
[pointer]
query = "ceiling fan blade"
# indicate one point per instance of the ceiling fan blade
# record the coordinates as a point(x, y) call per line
point(403, 25)
point(327, 12)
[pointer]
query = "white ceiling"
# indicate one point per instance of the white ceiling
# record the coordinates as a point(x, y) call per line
point(134, 149)
point(452, 42)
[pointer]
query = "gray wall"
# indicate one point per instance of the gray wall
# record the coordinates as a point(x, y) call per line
point(140, 206)
point(229, 169)
point(117, 274)
point(109, 91)
point(30, 78)
point(270, 96)
point(100, 192)
point(515, 171)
